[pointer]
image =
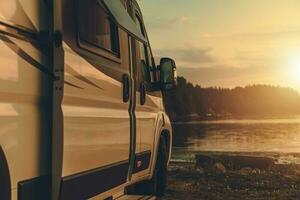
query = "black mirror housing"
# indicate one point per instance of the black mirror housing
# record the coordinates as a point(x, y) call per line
point(168, 74)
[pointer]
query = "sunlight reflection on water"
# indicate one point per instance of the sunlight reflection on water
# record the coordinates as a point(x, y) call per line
point(267, 135)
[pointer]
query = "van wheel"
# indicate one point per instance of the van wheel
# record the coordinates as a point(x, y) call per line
point(157, 185)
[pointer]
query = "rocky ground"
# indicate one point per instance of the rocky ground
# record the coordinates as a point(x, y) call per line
point(219, 180)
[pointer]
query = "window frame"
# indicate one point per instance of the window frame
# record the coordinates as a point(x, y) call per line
point(147, 47)
point(96, 49)
point(153, 69)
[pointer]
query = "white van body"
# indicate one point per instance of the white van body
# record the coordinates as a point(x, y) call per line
point(67, 129)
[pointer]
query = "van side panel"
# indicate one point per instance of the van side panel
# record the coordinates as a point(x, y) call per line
point(25, 88)
point(96, 128)
point(149, 123)
point(148, 116)
point(96, 121)
point(24, 109)
point(29, 14)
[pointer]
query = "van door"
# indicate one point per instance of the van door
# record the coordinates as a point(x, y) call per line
point(148, 104)
point(96, 102)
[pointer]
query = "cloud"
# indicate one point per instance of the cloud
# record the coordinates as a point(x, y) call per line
point(157, 23)
point(184, 19)
point(258, 57)
point(188, 55)
point(165, 23)
point(276, 34)
point(228, 76)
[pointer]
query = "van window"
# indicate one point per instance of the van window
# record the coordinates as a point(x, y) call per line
point(143, 65)
point(96, 27)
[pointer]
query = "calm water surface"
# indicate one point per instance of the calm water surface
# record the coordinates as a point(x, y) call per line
point(267, 135)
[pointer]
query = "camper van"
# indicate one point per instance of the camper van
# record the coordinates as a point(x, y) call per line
point(81, 102)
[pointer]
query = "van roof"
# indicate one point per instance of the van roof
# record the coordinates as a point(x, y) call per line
point(124, 20)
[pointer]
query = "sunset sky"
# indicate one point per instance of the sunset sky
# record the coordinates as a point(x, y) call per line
point(228, 43)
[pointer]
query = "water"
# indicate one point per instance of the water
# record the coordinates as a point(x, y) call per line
point(266, 135)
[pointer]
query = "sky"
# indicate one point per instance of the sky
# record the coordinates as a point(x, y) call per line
point(228, 43)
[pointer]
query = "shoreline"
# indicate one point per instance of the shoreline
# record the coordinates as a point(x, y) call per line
point(235, 117)
point(187, 180)
point(280, 157)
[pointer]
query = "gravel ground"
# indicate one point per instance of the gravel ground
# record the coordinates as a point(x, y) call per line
point(187, 182)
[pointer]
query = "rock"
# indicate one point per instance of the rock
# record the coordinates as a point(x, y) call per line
point(205, 161)
point(239, 162)
point(245, 171)
point(200, 170)
point(217, 168)
point(234, 162)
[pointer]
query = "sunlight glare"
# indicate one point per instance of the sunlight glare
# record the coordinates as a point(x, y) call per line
point(295, 70)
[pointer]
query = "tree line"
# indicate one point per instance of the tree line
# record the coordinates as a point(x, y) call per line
point(188, 101)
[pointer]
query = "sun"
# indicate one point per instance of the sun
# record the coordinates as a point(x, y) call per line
point(295, 65)
point(294, 70)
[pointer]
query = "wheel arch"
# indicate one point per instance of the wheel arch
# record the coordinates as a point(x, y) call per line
point(166, 134)
point(165, 131)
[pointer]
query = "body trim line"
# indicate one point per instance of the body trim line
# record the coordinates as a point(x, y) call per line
point(34, 189)
point(91, 183)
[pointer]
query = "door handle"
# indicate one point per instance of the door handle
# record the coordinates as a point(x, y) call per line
point(126, 88)
point(143, 94)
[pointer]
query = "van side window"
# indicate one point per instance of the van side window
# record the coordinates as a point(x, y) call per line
point(144, 61)
point(96, 27)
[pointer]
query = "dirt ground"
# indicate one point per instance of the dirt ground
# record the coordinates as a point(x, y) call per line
point(187, 182)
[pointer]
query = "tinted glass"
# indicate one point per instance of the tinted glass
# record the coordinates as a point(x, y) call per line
point(143, 73)
point(96, 27)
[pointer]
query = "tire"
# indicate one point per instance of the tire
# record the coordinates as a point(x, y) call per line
point(157, 185)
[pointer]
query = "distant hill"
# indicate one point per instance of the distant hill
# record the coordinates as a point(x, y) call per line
point(194, 102)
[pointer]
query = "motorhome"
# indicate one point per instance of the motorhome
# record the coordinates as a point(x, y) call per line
point(81, 106)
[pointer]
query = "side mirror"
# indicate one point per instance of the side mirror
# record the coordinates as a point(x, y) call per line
point(168, 74)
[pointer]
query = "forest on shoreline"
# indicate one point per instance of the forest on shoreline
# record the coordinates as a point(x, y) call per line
point(193, 102)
